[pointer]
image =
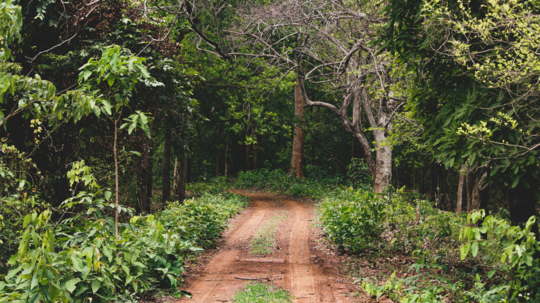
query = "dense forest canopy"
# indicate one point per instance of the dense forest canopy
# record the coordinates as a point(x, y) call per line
point(110, 109)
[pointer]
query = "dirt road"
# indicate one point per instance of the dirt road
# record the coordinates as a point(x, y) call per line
point(296, 265)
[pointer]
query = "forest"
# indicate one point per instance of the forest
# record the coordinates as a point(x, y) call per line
point(269, 151)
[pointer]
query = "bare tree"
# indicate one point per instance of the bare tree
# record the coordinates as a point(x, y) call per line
point(325, 43)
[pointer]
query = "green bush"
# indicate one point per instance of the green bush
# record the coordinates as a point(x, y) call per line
point(79, 259)
point(353, 220)
point(392, 223)
point(279, 182)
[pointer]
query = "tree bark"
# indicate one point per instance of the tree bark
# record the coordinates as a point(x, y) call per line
point(201, 149)
point(176, 177)
point(248, 153)
point(165, 169)
point(383, 175)
point(297, 159)
point(141, 187)
point(183, 179)
point(470, 187)
point(180, 177)
point(149, 180)
point(226, 173)
point(256, 151)
point(459, 202)
point(115, 152)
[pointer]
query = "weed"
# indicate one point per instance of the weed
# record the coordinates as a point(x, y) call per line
point(264, 239)
point(259, 292)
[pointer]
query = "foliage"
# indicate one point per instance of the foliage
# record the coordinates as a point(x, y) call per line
point(80, 259)
point(18, 197)
point(282, 183)
point(362, 221)
point(358, 172)
point(516, 250)
point(353, 220)
point(259, 292)
point(264, 238)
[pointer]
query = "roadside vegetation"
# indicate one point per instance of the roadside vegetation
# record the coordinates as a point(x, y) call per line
point(125, 125)
point(263, 241)
point(80, 259)
point(262, 293)
point(403, 247)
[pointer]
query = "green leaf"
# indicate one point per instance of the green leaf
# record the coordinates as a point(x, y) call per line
point(96, 284)
point(96, 110)
point(474, 248)
point(464, 250)
point(77, 263)
point(70, 285)
point(139, 264)
point(86, 74)
point(132, 127)
point(107, 107)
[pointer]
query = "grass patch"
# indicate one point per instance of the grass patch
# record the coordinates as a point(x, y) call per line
point(259, 292)
point(264, 239)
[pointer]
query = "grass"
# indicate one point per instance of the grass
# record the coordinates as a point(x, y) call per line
point(264, 239)
point(259, 293)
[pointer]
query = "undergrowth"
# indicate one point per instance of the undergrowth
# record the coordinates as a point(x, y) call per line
point(264, 239)
point(79, 260)
point(262, 293)
point(412, 252)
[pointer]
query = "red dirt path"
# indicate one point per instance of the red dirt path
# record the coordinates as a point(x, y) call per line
point(296, 265)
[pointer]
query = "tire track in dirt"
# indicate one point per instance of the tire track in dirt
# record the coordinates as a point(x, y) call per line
point(203, 289)
point(292, 266)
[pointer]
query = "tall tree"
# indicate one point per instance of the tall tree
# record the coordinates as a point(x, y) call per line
point(166, 166)
point(297, 159)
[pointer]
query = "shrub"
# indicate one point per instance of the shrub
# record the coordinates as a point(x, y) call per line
point(79, 259)
point(353, 220)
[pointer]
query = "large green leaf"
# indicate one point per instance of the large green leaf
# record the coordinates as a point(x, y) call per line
point(71, 284)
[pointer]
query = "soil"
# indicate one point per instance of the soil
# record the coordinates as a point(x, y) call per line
point(299, 263)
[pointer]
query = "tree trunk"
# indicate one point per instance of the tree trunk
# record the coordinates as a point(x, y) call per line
point(149, 180)
point(165, 169)
point(248, 153)
point(470, 187)
point(141, 187)
point(201, 149)
point(183, 178)
point(176, 177)
point(180, 177)
point(256, 151)
point(383, 175)
point(460, 189)
point(297, 159)
point(116, 179)
point(226, 173)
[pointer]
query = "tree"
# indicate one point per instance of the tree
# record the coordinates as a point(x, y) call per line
point(487, 116)
point(297, 159)
point(327, 43)
point(114, 76)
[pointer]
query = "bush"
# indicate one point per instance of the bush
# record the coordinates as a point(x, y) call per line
point(392, 223)
point(80, 260)
point(353, 220)
point(279, 182)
